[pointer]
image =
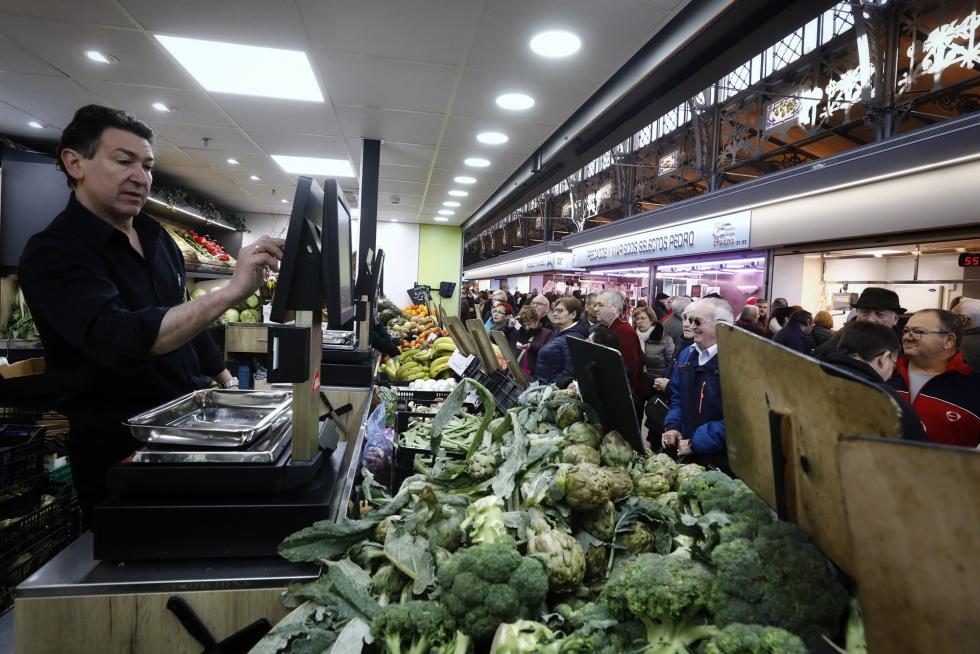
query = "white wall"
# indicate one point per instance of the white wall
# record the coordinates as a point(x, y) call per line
point(264, 224)
point(787, 278)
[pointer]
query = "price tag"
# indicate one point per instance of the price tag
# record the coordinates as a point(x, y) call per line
point(459, 363)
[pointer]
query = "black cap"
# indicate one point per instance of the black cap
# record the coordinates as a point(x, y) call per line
point(875, 297)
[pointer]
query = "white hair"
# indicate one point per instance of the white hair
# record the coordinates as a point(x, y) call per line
point(499, 296)
point(749, 312)
point(721, 310)
point(678, 303)
point(970, 307)
point(616, 298)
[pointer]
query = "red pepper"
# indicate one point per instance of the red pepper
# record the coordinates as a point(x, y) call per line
point(223, 257)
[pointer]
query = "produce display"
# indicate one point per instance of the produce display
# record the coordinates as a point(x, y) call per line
point(409, 328)
point(248, 310)
point(422, 363)
point(199, 249)
point(457, 436)
point(20, 324)
point(551, 536)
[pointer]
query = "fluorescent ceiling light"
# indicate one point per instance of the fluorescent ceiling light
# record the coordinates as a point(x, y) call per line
point(879, 253)
point(463, 179)
point(101, 57)
point(440, 219)
point(159, 106)
point(447, 212)
point(477, 162)
point(492, 138)
point(314, 166)
point(555, 44)
point(457, 193)
point(35, 124)
point(284, 201)
point(450, 203)
point(515, 101)
point(245, 69)
point(255, 178)
point(233, 162)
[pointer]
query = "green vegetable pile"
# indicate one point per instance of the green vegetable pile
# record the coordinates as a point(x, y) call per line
point(457, 436)
point(20, 325)
point(553, 537)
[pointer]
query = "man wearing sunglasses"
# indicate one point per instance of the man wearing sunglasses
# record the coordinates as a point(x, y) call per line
point(935, 379)
point(694, 425)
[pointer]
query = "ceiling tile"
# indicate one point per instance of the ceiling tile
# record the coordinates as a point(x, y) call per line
point(192, 107)
point(556, 97)
point(250, 22)
point(168, 155)
point(401, 126)
point(390, 83)
point(523, 136)
point(396, 186)
point(418, 174)
point(13, 121)
point(15, 59)
point(407, 155)
point(221, 139)
point(218, 160)
point(97, 12)
point(63, 45)
point(52, 100)
point(301, 145)
point(433, 31)
point(292, 115)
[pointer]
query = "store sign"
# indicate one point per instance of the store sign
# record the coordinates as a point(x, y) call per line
point(782, 110)
point(718, 234)
point(668, 162)
point(552, 261)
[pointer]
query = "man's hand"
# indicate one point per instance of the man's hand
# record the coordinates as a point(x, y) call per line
point(252, 261)
point(684, 447)
point(671, 438)
point(660, 384)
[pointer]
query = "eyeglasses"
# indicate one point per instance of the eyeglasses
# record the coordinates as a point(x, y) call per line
point(919, 333)
point(697, 322)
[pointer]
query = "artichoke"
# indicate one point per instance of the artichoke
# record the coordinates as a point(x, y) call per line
point(568, 414)
point(671, 501)
point(438, 522)
point(660, 464)
point(389, 584)
point(620, 483)
point(483, 464)
point(381, 530)
point(584, 434)
point(484, 521)
point(601, 523)
point(580, 454)
point(596, 559)
point(586, 487)
point(561, 551)
point(641, 539)
point(652, 485)
point(687, 471)
point(615, 451)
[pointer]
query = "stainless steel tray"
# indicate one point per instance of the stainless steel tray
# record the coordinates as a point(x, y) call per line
point(213, 418)
point(265, 450)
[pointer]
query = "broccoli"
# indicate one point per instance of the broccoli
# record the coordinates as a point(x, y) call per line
point(415, 627)
point(593, 630)
point(753, 639)
point(489, 584)
point(781, 579)
point(668, 595)
point(716, 491)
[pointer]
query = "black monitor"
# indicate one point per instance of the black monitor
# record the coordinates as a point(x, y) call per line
point(374, 285)
point(337, 256)
point(303, 276)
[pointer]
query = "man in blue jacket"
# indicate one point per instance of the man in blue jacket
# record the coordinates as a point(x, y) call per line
point(694, 424)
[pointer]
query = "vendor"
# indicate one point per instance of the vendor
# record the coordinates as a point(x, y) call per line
point(106, 286)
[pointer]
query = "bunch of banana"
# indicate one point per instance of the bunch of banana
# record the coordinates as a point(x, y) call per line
point(412, 370)
point(442, 349)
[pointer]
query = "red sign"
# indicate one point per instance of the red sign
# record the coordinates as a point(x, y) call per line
point(316, 381)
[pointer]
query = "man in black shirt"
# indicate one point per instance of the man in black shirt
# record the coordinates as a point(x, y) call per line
point(106, 287)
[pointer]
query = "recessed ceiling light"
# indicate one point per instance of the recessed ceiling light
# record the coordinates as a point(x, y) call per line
point(284, 201)
point(492, 138)
point(440, 219)
point(446, 212)
point(463, 179)
point(515, 101)
point(450, 203)
point(233, 162)
point(101, 57)
point(245, 69)
point(457, 193)
point(555, 44)
point(35, 124)
point(314, 166)
point(159, 106)
point(477, 162)
point(255, 178)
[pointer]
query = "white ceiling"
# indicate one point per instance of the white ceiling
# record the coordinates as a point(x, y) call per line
point(421, 75)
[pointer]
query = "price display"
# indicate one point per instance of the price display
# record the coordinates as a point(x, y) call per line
point(970, 260)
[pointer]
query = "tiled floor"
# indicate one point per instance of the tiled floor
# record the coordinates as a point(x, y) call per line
point(7, 632)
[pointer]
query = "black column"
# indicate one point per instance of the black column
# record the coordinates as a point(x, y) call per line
point(368, 202)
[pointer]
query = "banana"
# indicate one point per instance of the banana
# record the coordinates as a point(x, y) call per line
point(443, 342)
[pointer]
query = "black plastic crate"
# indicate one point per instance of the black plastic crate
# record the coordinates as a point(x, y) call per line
point(17, 568)
point(505, 390)
point(21, 414)
point(405, 456)
point(22, 450)
point(26, 519)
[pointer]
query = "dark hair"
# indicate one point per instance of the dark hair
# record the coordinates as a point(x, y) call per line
point(867, 340)
point(782, 315)
point(84, 132)
point(800, 317)
point(572, 305)
point(949, 322)
point(778, 302)
point(602, 335)
point(714, 295)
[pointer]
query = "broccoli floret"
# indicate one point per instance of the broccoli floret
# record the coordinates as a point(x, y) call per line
point(781, 579)
point(715, 491)
point(593, 630)
point(415, 627)
point(491, 584)
point(668, 595)
point(753, 639)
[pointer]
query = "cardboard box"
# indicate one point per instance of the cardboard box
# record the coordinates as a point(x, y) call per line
point(25, 368)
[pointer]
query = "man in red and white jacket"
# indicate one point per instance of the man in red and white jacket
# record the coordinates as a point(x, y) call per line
point(933, 376)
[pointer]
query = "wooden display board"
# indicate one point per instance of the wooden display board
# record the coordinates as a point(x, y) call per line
point(500, 340)
point(915, 529)
point(783, 405)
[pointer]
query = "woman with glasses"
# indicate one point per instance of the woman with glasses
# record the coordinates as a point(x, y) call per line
point(554, 362)
point(528, 340)
point(500, 316)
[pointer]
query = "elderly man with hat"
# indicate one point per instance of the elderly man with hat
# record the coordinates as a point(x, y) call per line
point(875, 304)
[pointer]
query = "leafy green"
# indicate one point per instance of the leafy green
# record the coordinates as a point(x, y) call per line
point(515, 457)
point(411, 554)
point(351, 638)
point(308, 629)
point(454, 404)
point(345, 588)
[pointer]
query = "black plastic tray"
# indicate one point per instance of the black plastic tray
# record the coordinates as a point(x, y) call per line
point(22, 450)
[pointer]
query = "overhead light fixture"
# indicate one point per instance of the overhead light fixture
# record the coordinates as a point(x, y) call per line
point(440, 219)
point(35, 124)
point(284, 201)
point(446, 212)
point(314, 166)
point(492, 138)
point(101, 57)
point(477, 162)
point(245, 69)
point(515, 101)
point(233, 162)
point(457, 193)
point(255, 178)
point(167, 108)
point(555, 44)
point(463, 179)
point(450, 203)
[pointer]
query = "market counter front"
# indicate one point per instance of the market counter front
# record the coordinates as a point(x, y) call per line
point(77, 603)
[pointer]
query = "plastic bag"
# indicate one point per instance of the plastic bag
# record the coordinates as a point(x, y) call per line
point(379, 447)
